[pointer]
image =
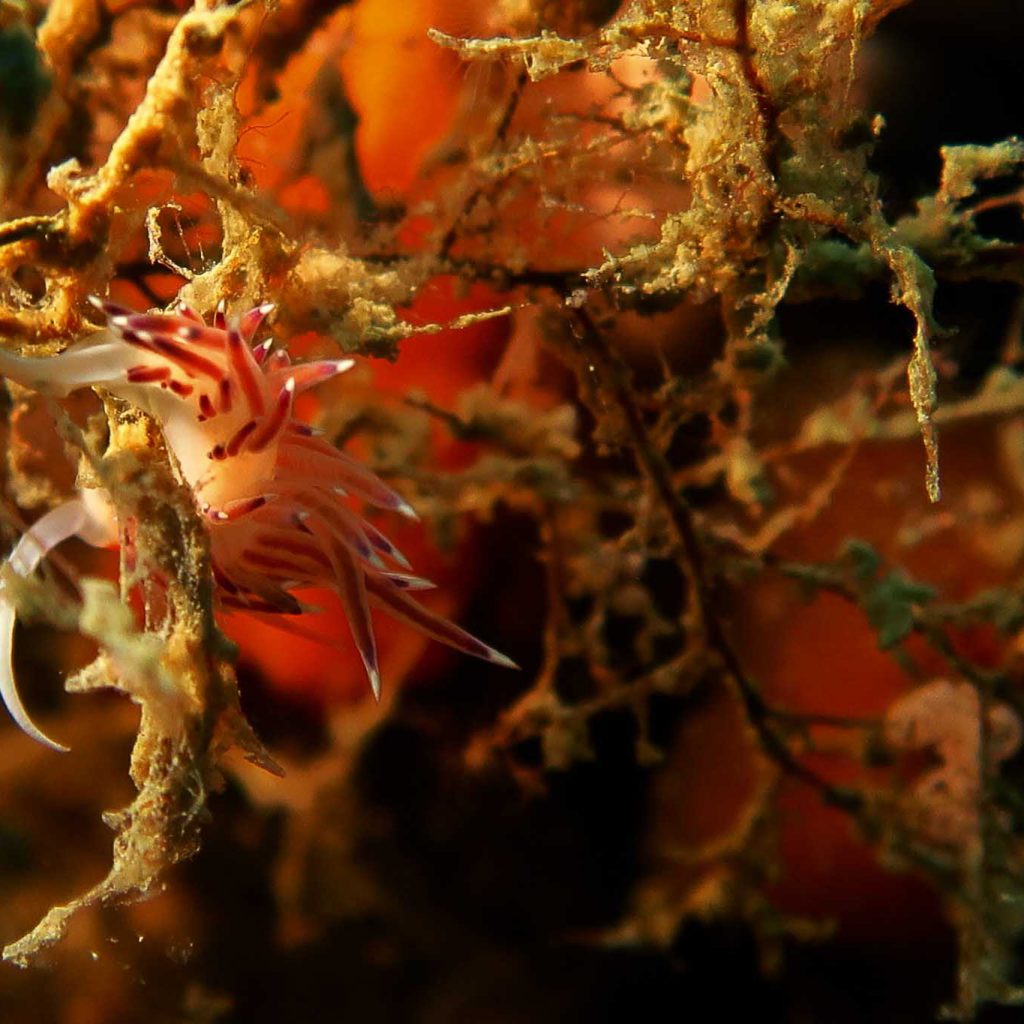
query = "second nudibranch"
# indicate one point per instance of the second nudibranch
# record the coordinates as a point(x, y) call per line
point(276, 497)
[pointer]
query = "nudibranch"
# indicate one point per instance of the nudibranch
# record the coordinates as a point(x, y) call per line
point(275, 495)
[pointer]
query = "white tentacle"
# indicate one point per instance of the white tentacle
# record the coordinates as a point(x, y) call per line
point(89, 517)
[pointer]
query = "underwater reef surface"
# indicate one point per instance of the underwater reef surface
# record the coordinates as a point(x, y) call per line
point(668, 352)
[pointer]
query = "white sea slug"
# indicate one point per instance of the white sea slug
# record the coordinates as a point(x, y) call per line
point(272, 492)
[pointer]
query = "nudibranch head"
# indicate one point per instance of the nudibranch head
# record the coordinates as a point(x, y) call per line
point(276, 497)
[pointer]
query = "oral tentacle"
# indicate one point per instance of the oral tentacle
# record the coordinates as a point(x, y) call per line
point(77, 517)
point(97, 361)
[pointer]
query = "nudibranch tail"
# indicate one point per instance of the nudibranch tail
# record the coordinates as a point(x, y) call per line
point(87, 517)
point(275, 495)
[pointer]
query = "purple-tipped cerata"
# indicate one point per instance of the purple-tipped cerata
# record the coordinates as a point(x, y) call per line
point(272, 492)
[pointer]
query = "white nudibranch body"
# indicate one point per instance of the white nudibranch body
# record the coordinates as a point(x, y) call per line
point(271, 491)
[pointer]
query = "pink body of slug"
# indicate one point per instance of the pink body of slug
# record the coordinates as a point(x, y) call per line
point(273, 493)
